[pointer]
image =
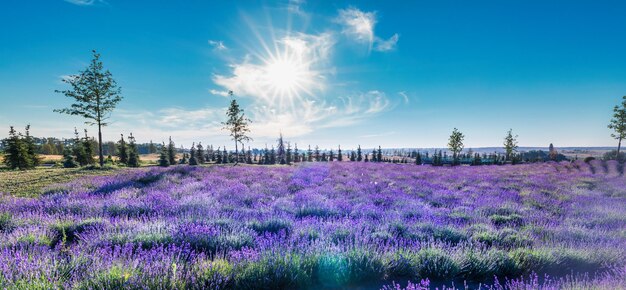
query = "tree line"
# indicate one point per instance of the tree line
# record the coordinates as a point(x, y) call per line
point(96, 94)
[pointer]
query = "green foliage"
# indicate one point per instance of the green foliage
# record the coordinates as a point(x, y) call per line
point(613, 155)
point(122, 150)
point(133, 154)
point(19, 150)
point(272, 226)
point(455, 144)
point(511, 219)
point(510, 144)
point(95, 94)
point(171, 152)
point(237, 124)
point(6, 222)
point(434, 264)
point(192, 155)
point(66, 232)
point(483, 265)
point(618, 123)
point(288, 271)
point(163, 157)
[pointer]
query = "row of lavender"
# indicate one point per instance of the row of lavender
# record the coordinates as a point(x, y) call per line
point(318, 225)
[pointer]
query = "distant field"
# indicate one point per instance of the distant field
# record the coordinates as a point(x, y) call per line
point(32, 182)
point(337, 225)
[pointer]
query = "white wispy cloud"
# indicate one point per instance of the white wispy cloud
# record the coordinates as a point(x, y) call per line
point(85, 2)
point(404, 96)
point(295, 6)
point(218, 45)
point(359, 26)
point(386, 45)
point(219, 92)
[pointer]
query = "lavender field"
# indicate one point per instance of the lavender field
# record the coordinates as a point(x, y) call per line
point(321, 226)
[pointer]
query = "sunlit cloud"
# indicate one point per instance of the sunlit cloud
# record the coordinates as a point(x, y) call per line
point(288, 88)
point(359, 26)
point(218, 45)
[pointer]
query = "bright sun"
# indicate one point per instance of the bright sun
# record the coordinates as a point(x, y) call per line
point(288, 75)
point(284, 75)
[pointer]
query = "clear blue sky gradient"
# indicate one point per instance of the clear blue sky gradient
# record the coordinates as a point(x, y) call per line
point(551, 70)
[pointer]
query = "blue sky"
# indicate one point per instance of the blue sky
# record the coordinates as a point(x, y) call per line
point(390, 73)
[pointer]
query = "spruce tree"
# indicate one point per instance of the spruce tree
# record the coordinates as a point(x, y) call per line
point(273, 156)
point(225, 157)
point(16, 151)
point(339, 154)
point(218, 156)
point(86, 143)
point(171, 152)
point(379, 157)
point(309, 154)
point(192, 155)
point(249, 156)
point(288, 154)
point(200, 154)
point(331, 156)
point(68, 159)
point(164, 160)
point(31, 149)
point(317, 153)
point(122, 150)
point(280, 150)
point(133, 154)
point(373, 156)
point(78, 149)
point(296, 154)
point(359, 154)
point(418, 158)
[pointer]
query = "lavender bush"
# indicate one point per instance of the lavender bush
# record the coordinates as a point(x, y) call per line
point(333, 225)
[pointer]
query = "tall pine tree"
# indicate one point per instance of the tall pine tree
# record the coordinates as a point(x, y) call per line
point(171, 152)
point(133, 154)
point(122, 150)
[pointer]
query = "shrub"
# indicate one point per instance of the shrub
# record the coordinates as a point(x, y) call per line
point(6, 222)
point(484, 265)
point(67, 232)
point(216, 274)
point(434, 264)
point(272, 226)
point(288, 271)
point(502, 220)
point(442, 233)
point(364, 265)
